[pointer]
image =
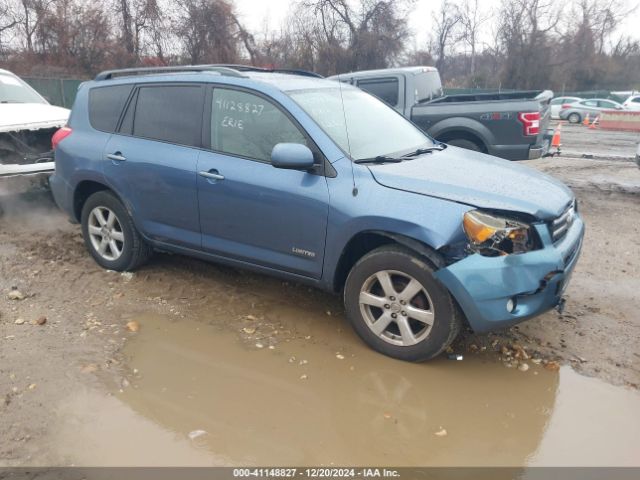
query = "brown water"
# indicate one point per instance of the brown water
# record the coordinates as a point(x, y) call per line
point(262, 407)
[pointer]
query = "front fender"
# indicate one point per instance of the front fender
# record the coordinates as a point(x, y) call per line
point(401, 215)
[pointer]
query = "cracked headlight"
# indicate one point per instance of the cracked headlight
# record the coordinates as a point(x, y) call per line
point(492, 235)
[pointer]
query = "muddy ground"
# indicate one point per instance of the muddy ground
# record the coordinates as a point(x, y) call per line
point(189, 363)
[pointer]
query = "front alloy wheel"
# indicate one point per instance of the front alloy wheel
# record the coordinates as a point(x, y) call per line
point(397, 306)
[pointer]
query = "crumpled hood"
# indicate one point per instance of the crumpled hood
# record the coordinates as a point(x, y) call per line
point(31, 116)
point(477, 179)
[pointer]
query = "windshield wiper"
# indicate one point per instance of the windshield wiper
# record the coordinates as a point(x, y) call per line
point(379, 159)
point(422, 151)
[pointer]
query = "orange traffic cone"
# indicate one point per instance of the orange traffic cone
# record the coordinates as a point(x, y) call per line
point(555, 141)
point(585, 122)
point(595, 123)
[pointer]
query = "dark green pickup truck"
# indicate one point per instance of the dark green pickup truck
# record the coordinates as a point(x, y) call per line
point(511, 125)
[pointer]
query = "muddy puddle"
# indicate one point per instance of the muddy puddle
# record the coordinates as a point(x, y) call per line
point(199, 395)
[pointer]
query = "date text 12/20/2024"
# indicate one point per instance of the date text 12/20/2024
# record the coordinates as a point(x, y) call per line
point(315, 473)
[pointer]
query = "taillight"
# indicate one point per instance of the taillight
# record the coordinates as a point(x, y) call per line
point(566, 105)
point(60, 135)
point(530, 123)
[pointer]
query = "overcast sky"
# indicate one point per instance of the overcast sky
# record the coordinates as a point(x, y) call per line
point(256, 12)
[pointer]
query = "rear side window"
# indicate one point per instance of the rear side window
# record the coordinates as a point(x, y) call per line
point(428, 86)
point(105, 106)
point(170, 113)
point(636, 100)
point(590, 103)
point(386, 89)
point(248, 125)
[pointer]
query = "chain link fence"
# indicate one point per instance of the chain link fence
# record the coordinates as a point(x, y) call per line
point(57, 91)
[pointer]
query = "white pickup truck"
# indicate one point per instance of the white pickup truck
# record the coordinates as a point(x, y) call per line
point(27, 123)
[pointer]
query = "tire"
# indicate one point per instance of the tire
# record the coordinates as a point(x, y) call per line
point(432, 302)
point(464, 143)
point(128, 250)
point(574, 118)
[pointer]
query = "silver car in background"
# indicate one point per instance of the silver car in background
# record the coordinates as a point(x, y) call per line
point(558, 102)
point(577, 112)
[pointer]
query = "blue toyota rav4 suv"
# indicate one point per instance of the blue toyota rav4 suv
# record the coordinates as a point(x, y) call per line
point(320, 183)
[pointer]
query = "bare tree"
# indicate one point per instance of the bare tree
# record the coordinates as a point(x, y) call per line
point(158, 27)
point(32, 14)
point(208, 30)
point(348, 36)
point(447, 21)
point(601, 18)
point(75, 36)
point(135, 18)
point(8, 17)
point(9, 20)
point(472, 19)
point(525, 28)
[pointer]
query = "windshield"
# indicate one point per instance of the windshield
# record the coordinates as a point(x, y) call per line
point(373, 128)
point(14, 90)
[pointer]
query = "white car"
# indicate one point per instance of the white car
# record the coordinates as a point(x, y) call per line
point(27, 123)
point(556, 104)
point(632, 103)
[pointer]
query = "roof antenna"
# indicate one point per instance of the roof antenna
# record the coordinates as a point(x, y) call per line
point(354, 192)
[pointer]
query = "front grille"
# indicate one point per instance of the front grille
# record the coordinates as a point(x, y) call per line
point(560, 226)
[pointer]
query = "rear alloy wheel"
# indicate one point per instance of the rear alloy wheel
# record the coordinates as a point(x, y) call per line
point(574, 118)
point(110, 235)
point(396, 305)
point(105, 233)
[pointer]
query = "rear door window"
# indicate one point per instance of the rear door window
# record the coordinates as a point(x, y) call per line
point(590, 103)
point(249, 125)
point(386, 89)
point(170, 113)
point(106, 104)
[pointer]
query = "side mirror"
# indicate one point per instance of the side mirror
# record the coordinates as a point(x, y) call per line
point(293, 156)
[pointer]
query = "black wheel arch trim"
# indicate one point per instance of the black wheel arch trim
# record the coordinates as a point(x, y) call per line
point(416, 246)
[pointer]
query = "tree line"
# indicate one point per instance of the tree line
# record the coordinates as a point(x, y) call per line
point(518, 44)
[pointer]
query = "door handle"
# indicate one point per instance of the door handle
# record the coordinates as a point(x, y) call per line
point(211, 175)
point(116, 157)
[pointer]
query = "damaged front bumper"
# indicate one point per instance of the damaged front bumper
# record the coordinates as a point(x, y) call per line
point(496, 292)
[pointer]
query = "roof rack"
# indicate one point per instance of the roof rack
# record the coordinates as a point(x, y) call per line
point(125, 72)
point(291, 71)
point(230, 70)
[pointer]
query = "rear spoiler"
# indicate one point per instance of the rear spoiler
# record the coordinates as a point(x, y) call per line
point(29, 169)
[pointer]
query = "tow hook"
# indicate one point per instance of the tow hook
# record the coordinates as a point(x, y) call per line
point(561, 304)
